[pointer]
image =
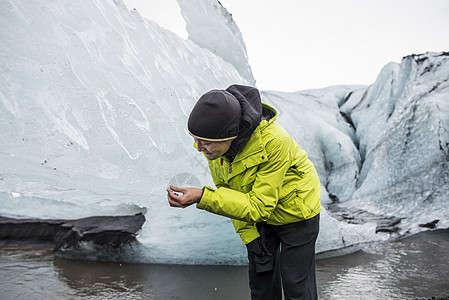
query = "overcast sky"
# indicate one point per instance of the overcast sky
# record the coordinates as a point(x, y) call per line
point(302, 44)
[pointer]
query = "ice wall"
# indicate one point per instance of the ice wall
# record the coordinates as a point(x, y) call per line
point(402, 126)
point(94, 102)
point(380, 151)
point(93, 105)
point(211, 26)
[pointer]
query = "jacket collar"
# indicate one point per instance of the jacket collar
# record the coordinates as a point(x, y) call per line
point(255, 143)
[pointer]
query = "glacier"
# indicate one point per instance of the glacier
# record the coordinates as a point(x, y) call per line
point(94, 103)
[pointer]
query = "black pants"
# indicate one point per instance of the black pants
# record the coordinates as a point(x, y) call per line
point(291, 248)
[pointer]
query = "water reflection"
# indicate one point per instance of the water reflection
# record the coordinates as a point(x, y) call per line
point(92, 279)
point(144, 281)
point(415, 267)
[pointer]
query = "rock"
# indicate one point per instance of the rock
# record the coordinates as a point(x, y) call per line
point(28, 231)
point(388, 224)
point(430, 225)
point(360, 216)
point(109, 231)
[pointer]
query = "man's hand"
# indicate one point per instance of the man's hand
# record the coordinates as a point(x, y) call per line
point(188, 197)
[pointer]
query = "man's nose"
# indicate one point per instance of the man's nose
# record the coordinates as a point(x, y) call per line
point(200, 146)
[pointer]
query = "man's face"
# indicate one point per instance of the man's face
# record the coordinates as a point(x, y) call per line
point(213, 150)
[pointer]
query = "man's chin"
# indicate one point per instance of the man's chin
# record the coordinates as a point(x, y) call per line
point(211, 157)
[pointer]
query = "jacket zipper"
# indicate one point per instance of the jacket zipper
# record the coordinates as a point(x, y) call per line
point(221, 163)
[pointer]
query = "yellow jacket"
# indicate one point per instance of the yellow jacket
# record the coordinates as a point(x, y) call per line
point(270, 180)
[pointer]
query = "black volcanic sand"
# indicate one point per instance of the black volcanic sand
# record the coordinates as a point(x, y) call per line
point(412, 268)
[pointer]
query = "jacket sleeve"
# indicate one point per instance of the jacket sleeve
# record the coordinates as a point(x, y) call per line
point(246, 230)
point(258, 204)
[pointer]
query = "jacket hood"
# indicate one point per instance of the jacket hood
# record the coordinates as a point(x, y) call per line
point(251, 115)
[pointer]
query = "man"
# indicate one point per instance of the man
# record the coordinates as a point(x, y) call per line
point(265, 184)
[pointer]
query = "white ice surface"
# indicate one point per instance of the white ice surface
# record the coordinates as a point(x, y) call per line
point(211, 26)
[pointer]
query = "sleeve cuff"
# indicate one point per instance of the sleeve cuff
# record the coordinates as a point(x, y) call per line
point(202, 204)
point(249, 236)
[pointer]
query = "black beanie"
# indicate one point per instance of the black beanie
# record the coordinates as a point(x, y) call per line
point(215, 117)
